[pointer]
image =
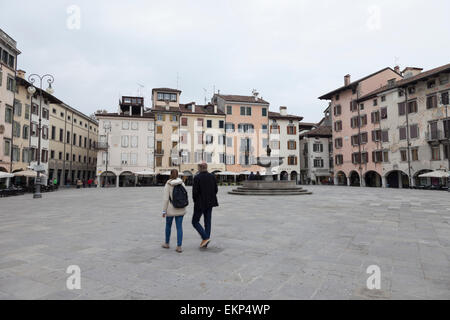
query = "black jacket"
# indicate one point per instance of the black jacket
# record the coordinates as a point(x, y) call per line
point(204, 191)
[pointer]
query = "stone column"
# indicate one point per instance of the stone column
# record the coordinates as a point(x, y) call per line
point(348, 181)
point(400, 181)
point(336, 181)
point(383, 182)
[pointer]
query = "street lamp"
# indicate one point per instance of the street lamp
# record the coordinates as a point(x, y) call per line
point(32, 90)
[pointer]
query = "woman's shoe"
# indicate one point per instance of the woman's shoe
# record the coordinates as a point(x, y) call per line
point(204, 243)
point(179, 250)
point(165, 246)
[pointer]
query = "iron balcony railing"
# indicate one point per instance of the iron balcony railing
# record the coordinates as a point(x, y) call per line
point(435, 135)
point(102, 145)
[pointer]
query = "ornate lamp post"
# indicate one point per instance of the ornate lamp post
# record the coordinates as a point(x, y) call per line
point(32, 90)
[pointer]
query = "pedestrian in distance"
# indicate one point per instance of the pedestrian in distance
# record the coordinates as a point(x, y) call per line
point(175, 201)
point(204, 193)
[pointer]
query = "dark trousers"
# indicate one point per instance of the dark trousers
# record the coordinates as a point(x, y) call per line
point(198, 212)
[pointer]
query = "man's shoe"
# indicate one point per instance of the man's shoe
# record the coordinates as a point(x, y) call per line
point(204, 243)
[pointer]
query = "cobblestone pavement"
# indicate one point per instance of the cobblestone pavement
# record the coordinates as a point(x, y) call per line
point(304, 247)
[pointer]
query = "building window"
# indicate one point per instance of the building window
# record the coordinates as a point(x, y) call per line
point(134, 125)
point(8, 114)
point(125, 125)
point(124, 140)
point(209, 123)
point(339, 159)
point(264, 112)
point(414, 131)
point(412, 106)
point(221, 124)
point(229, 110)
point(229, 142)
point(431, 84)
point(159, 129)
point(338, 126)
point(338, 143)
point(375, 117)
point(7, 149)
point(242, 111)
point(436, 153)
point(337, 110)
point(383, 113)
point(249, 111)
point(291, 129)
point(318, 163)
point(184, 122)
point(318, 147)
point(444, 98)
point(16, 129)
point(402, 133)
point(431, 102)
point(403, 155)
point(292, 145)
point(377, 156)
point(415, 154)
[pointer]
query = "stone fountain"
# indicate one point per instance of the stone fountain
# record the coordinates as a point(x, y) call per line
point(267, 186)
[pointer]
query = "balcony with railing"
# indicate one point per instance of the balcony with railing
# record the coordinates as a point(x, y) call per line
point(159, 152)
point(102, 145)
point(435, 135)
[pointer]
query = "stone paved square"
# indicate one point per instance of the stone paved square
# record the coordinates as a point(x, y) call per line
point(295, 247)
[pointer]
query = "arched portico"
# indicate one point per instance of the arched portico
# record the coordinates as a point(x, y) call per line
point(341, 178)
point(397, 179)
point(127, 179)
point(108, 179)
point(373, 179)
point(354, 179)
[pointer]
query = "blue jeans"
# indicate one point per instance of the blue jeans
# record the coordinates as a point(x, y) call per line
point(204, 233)
point(179, 224)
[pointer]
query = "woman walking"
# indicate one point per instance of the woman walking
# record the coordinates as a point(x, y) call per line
point(172, 210)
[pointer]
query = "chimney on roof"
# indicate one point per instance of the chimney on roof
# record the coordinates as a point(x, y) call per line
point(397, 69)
point(347, 80)
point(192, 107)
point(283, 111)
point(21, 74)
point(255, 94)
point(215, 108)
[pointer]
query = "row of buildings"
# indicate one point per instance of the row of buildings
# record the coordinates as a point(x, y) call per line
point(390, 127)
point(229, 134)
point(383, 130)
point(68, 137)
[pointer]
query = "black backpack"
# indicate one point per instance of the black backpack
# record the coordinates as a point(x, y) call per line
point(180, 197)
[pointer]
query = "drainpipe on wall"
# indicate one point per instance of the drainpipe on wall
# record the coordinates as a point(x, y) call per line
point(407, 137)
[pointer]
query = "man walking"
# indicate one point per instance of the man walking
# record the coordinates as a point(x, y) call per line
point(204, 193)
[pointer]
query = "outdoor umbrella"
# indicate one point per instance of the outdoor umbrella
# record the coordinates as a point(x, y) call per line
point(435, 174)
point(4, 175)
point(145, 173)
point(28, 174)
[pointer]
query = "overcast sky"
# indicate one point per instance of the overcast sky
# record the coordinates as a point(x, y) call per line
point(290, 51)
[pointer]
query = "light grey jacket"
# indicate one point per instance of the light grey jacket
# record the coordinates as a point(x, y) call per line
point(170, 210)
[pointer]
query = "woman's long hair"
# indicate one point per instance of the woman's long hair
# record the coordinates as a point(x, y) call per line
point(173, 174)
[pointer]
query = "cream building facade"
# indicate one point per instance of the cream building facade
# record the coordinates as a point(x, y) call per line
point(202, 138)
point(126, 144)
point(166, 108)
point(283, 141)
point(72, 145)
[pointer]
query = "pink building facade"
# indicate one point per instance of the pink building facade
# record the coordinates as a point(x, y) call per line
point(353, 126)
